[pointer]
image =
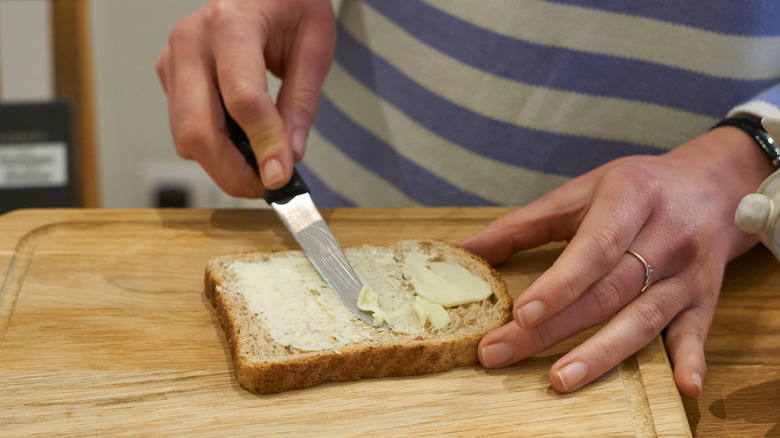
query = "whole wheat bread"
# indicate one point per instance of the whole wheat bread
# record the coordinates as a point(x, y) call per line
point(264, 366)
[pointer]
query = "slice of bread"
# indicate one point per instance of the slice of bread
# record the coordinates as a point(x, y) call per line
point(263, 365)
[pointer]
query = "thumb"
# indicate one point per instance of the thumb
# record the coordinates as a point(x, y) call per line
point(525, 228)
point(552, 218)
point(503, 237)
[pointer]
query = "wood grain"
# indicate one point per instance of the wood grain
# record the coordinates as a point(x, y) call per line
point(73, 82)
point(741, 394)
point(105, 330)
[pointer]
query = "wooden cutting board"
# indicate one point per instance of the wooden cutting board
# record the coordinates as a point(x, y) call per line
point(105, 330)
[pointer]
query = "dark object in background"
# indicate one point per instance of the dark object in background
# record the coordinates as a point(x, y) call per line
point(172, 197)
point(37, 164)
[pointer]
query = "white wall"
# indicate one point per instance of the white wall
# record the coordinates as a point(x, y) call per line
point(136, 150)
point(25, 50)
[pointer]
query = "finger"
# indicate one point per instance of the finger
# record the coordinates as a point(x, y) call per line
point(195, 116)
point(303, 77)
point(506, 345)
point(619, 210)
point(238, 44)
point(524, 228)
point(602, 300)
point(629, 331)
point(553, 217)
point(161, 66)
point(198, 136)
point(685, 343)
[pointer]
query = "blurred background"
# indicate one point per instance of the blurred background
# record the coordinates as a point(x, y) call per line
point(83, 118)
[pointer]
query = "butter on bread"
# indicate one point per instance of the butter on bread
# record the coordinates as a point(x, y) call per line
point(263, 365)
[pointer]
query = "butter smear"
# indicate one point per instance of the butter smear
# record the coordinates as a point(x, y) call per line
point(298, 309)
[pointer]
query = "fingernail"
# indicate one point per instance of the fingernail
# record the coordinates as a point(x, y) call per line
point(272, 172)
point(299, 142)
point(572, 374)
point(530, 313)
point(696, 380)
point(497, 355)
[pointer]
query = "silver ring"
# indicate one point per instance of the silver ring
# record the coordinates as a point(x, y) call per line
point(648, 271)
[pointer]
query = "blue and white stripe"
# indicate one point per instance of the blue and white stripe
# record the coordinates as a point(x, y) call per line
point(464, 102)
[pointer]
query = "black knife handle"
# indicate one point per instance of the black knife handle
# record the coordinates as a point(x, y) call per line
point(239, 139)
point(294, 187)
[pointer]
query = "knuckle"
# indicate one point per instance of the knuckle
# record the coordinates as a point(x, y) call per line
point(648, 318)
point(219, 14)
point(233, 187)
point(640, 180)
point(181, 33)
point(606, 296)
point(182, 152)
point(678, 337)
point(305, 101)
point(684, 237)
point(646, 181)
point(641, 177)
point(505, 222)
point(189, 136)
point(506, 225)
point(606, 242)
point(570, 291)
point(159, 66)
point(542, 338)
point(608, 354)
point(242, 101)
point(250, 108)
point(687, 236)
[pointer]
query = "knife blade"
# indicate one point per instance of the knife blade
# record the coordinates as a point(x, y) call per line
point(294, 206)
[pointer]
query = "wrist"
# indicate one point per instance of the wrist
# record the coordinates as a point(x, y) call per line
point(742, 167)
point(727, 155)
point(752, 127)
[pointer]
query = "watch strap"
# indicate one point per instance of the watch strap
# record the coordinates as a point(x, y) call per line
point(752, 126)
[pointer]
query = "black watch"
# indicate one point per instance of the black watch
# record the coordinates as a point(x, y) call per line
point(752, 126)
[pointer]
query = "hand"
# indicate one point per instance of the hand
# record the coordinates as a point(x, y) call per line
point(225, 47)
point(676, 211)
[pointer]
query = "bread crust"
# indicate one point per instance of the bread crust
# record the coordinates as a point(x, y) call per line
point(264, 367)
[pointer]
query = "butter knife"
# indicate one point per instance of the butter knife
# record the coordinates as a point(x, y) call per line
point(294, 206)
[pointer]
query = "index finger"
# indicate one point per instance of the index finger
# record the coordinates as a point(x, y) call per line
point(620, 208)
point(186, 74)
point(238, 45)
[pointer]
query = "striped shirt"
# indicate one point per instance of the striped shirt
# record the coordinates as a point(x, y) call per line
point(496, 102)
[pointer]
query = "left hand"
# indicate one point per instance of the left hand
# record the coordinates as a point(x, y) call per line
point(676, 211)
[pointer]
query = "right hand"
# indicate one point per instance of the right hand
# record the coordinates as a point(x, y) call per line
point(226, 47)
